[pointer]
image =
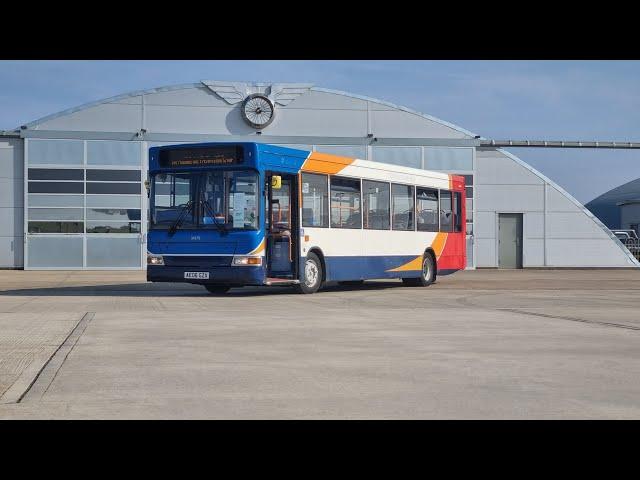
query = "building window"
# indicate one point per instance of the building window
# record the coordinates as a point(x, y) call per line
point(404, 156)
point(107, 152)
point(427, 209)
point(351, 151)
point(375, 199)
point(402, 200)
point(55, 152)
point(315, 200)
point(113, 175)
point(448, 158)
point(345, 203)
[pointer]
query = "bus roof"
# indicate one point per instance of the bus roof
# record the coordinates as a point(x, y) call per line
point(319, 162)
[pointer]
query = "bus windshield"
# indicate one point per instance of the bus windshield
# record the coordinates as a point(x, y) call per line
point(205, 200)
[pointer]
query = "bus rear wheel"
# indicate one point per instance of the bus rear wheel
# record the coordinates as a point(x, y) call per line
point(427, 275)
point(312, 278)
point(217, 289)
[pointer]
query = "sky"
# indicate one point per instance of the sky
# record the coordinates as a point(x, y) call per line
point(530, 100)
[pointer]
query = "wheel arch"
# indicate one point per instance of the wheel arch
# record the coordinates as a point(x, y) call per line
point(320, 255)
point(430, 251)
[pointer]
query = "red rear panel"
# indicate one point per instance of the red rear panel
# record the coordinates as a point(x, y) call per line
point(454, 254)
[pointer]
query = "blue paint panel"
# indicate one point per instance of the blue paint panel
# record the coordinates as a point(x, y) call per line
point(196, 242)
point(359, 268)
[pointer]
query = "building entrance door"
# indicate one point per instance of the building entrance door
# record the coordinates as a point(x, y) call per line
point(510, 240)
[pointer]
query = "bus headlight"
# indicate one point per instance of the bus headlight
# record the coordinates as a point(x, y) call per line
point(247, 261)
point(154, 259)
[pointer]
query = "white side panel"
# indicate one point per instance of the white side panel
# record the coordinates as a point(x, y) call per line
point(195, 97)
point(585, 253)
point(344, 242)
point(11, 192)
point(109, 117)
point(330, 123)
point(397, 123)
point(485, 252)
point(323, 100)
point(11, 158)
point(485, 225)
point(334, 241)
point(495, 168)
point(183, 119)
point(11, 221)
point(557, 202)
point(509, 198)
point(572, 225)
point(397, 174)
point(11, 252)
point(533, 252)
point(533, 225)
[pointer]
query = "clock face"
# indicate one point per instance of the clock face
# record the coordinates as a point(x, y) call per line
point(258, 111)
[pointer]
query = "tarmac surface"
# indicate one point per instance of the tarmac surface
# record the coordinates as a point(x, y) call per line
point(484, 344)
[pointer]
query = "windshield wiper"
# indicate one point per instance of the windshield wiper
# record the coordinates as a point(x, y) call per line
point(210, 211)
point(183, 213)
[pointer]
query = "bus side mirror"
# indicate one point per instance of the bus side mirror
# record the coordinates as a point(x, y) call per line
point(276, 182)
point(148, 187)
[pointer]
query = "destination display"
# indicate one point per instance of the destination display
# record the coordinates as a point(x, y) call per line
point(201, 157)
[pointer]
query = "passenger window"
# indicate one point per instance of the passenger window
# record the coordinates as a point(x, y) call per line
point(403, 207)
point(345, 203)
point(446, 212)
point(457, 208)
point(427, 209)
point(375, 199)
point(315, 200)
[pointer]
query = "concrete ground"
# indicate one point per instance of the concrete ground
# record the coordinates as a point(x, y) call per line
point(478, 344)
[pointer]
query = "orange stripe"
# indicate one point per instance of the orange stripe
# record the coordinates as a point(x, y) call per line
point(438, 243)
point(415, 264)
point(325, 163)
point(258, 249)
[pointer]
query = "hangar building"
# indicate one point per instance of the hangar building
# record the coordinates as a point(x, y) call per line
point(72, 193)
point(619, 208)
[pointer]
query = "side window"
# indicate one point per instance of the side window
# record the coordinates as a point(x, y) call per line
point(375, 199)
point(446, 211)
point(457, 208)
point(345, 203)
point(315, 200)
point(427, 209)
point(403, 207)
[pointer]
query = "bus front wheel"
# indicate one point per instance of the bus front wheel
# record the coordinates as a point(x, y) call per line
point(217, 289)
point(312, 279)
point(427, 275)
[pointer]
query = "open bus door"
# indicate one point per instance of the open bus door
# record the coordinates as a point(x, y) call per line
point(282, 228)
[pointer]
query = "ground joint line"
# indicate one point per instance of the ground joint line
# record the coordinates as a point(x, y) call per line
point(47, 374)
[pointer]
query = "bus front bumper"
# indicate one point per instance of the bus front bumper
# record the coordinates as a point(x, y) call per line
point(228, 275)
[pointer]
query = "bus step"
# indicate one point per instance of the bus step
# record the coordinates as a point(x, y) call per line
point(281, 281)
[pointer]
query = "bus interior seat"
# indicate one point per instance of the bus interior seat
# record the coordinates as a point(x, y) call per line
point(307, 214)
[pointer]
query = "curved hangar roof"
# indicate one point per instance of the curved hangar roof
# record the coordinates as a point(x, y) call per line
point(607, 206)
point(558, 230)
point(208, 107)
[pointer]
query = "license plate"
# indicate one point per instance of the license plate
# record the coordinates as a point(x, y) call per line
point(197, 275)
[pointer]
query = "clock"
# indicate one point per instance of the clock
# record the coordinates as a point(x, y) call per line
point(258, 111)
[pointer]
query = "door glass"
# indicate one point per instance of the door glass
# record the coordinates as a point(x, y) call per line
point(281, 207)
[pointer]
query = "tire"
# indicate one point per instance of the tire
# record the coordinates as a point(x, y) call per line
point(427, 276)
point(312, 275)
point(351, 283)
point(217, 289)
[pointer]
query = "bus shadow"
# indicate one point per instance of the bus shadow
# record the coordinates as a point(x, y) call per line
point(182, 290)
